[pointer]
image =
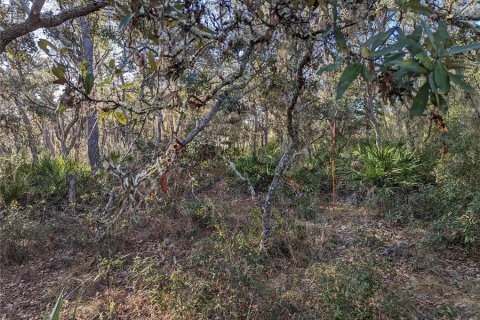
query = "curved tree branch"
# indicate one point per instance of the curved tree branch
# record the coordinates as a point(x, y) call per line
point(36, 20)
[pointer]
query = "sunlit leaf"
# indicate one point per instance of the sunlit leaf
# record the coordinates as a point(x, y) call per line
point(121, 118)
point(151, 61)
point(44, 44)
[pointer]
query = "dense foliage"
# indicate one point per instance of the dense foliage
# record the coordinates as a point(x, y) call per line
point(235, 128)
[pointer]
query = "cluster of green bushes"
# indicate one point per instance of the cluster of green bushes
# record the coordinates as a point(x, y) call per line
point(386, 170)
point(259, 166)
point(394, 180)
point(23, 182)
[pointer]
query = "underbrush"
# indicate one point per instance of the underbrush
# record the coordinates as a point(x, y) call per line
point(440, 190)
point(23, 182)
point(259, 167)
point(217, 272)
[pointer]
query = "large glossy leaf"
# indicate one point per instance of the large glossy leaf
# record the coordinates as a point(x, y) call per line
point(350, 73)
point(462, 49)
point(420, 101)
point(442, 80)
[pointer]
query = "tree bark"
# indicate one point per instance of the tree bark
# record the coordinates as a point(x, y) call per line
point(292, 129)
point(36, 20)
point(32, 143)
point(372, 115)
point(92, 122)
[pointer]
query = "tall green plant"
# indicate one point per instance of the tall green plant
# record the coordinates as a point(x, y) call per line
point(387, 169)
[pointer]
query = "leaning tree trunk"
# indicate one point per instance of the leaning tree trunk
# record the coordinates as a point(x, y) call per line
point(92, 122)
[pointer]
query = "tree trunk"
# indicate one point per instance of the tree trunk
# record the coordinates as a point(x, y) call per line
point(372, 115)
point(334, 158)
point(93, 133)
point(293, 135)
point(267, 222)
point(32, 144)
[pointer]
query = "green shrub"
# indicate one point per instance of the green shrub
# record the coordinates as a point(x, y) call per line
point(314, 174)
point(383, 171)
point(45, 180)
point(457, 190)
point(260, 167)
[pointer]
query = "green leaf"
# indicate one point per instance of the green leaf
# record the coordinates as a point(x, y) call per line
point(351, 72)
point(111, 64)
point(431, 82)
point(55, 315)
point(340, 39)
point(151, 61)
point(125, 21)
point(420, 101)
point(59, 72)
point(429, 33)
point(412, 66)
point(121, 118)
point(442, 80)
point(44, 44)
point(417, 33)
point(387, 50)
point(63, 51)
point(465, 48)
point(441, 35)
point(329, 68)
point(393, 60)
point(459, 81)
point(379, 39)
point(88, 83)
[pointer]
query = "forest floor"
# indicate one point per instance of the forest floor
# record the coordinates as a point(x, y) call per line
point(441, 283)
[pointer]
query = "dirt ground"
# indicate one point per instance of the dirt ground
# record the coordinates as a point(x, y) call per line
point(443, 283)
